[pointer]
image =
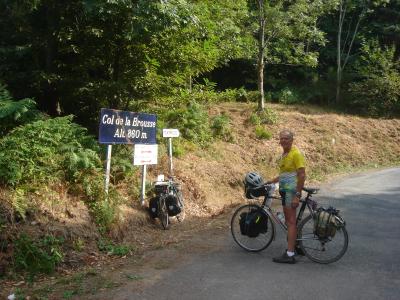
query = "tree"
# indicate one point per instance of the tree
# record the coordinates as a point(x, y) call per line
point(377, 90)
point(350, 15)
point(345, 46)
point(287, 33)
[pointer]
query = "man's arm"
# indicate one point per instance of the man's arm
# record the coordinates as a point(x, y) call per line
point(301, 177)
point(275, 180)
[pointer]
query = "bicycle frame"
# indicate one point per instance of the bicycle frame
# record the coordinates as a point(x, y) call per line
point(270, 212)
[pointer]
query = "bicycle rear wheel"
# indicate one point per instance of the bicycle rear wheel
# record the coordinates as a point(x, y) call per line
point(323, 251)
point(252, 244)
point(163, 212)
point(181, 216)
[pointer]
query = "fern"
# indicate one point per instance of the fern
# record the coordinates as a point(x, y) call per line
point(44, 150)
point(14, 113)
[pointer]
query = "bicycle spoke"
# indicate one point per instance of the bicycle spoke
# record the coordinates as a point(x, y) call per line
point(253, 244)
point(322, 250)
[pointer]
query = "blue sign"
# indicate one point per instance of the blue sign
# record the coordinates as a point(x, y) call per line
point(125, 127)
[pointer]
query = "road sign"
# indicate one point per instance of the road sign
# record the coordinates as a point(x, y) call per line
point(170, 133)
point(145, 155)
point(125, 127)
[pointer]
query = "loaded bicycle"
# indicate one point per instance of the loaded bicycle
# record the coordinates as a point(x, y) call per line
point(321, 234)
point(168, 201)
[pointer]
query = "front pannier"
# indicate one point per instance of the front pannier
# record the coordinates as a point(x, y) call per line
point(325, 224)
point(253, 223)
point(174, 207)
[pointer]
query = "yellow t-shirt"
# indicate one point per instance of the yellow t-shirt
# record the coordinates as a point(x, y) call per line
point(288, 166)
point(291, 162)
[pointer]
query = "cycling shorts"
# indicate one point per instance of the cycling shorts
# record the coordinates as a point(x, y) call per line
point(287, 197)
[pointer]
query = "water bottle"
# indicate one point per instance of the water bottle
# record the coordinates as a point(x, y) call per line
point(281, 216)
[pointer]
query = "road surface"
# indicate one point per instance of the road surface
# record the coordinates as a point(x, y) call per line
point(370, 204)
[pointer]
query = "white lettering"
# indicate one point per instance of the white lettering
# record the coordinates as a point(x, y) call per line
point(107, 120)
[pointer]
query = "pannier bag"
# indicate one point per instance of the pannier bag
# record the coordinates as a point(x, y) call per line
point(253, 223)
point(325, 223)
point(153, 207)
point(174, 205)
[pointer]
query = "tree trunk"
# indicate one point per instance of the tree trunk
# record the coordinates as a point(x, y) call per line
point(260, 82)
point(50, 91)
point(260, 61)
point(339, 54)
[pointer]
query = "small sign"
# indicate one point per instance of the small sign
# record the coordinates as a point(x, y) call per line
point(125, 127)
point(170, 133)
point(145, 154)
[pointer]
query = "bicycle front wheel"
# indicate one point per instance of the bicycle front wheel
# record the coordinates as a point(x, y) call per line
point(323, 251)
point(251, 242)
point(163, 212)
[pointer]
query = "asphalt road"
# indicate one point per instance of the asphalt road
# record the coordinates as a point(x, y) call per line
point(370, 204)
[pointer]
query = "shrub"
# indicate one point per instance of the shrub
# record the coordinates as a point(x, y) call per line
point(41, 256)
point(103, 207)
point(112, 249)
point(47, 150)
point(254, 119)
point(193, 123)
point(378, 91)
point(262, 133)
point(288, 96)
point(267, 116)
point(220, 127)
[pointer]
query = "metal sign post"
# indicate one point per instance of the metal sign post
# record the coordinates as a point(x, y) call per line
point(144, 155)
point(108, 167)
point(143, 190)
point(170, 133)
point(170, 156)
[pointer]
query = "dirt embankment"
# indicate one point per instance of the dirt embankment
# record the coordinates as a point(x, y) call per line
point(331, 143)
point(212, 178)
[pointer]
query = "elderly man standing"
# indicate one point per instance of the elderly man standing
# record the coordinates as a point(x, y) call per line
point(291, 181)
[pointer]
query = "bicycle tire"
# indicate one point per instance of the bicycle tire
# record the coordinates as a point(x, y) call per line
point(181, 216)
point(163, 212)
point(323, 251)
point(251, 244)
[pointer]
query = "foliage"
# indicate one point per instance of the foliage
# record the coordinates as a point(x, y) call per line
point(262, 133)
point(192, 122)
point(40, 256)
point(378, 91)
point(97, 53)
point(267, 116)
point(103, 207)
point(220, 127)
point(288, 96)
point(14, 113)
point(112, 249)
point(47, 150)
point(122, 166)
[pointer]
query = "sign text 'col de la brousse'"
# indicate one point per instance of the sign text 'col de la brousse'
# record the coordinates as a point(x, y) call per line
point(124, 127)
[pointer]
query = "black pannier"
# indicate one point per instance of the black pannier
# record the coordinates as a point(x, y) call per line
point(153, 207)
point(253, 223)
point(174, 207)
point(254, 192)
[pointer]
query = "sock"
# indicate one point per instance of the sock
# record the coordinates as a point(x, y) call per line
point(289, 253)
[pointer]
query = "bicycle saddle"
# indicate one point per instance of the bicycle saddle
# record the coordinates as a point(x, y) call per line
point(310, 190)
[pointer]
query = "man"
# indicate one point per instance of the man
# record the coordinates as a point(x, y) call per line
point(291, 181)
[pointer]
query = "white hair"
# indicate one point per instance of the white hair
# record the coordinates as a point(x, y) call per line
point(287, 132)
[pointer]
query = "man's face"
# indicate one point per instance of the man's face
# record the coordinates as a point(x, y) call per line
point(285, 141)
